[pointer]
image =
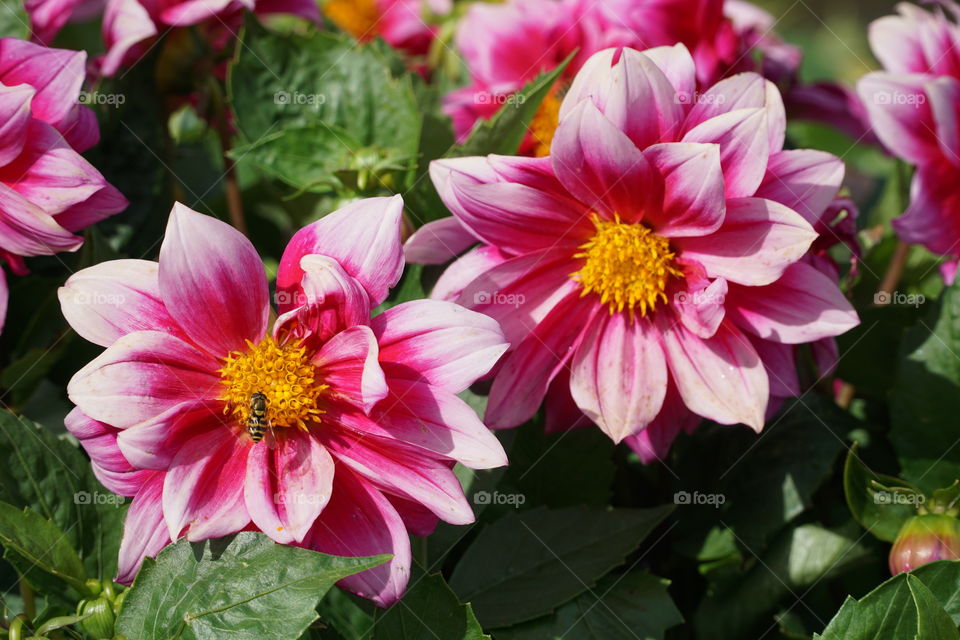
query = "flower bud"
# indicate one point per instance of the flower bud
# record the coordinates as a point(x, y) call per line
point(99, 624)
point(925, 538)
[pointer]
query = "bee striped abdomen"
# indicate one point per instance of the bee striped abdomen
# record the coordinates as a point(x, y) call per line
point(257, 423)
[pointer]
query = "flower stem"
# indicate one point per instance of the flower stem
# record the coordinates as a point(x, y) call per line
point(891, 278)
point(29, 601)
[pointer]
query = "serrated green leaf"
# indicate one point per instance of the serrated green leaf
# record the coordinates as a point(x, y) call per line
point(635, 606)
point(244, 587)
point(933, 623)
point(527, 564)
point(52, 477)
point(40, 551)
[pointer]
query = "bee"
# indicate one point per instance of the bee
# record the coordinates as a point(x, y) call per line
point(258, 423)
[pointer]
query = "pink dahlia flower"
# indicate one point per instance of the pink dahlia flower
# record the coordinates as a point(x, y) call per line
point(652, 270)
point(48, 191)
point(913, 107)
point(507, 45)
point(364, 422)
point(401, 23)
point(130, 25)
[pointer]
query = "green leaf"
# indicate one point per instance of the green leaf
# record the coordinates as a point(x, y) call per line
point(926, 399)
point(14, 22)
point(244, 587)
point(907, 607)
point(501, 134)
point(528, 563)
point(428, 609)
point(339, 610)
point(53, 478)
point(635, 606)
point(880, 518)
point(317, 99)
point(33, 545)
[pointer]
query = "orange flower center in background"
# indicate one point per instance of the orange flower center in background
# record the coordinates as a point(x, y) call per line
point(544, 123)
point(282, 373)
point(357, 17)
point(627, 265)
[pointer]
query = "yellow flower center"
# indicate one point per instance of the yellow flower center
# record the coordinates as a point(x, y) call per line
point(357, 17)
point(282, 373)
point(544, 123)
point(627, 265)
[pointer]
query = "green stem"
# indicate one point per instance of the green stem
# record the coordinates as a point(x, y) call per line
point(29, 600)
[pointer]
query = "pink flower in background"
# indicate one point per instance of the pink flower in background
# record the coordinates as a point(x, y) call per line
point(401, 23)
point(48, 191)
point(913, 107)
point(365, 423)
point(507, 45)
point(129, 26)
point(652, 270)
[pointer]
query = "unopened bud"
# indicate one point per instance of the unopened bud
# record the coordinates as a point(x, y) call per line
point(923, 539)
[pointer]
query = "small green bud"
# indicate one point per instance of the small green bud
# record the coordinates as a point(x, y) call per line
point(923, 539)
point(99, 624)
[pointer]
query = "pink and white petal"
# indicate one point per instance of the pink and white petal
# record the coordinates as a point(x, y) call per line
point(933, 217)
point(418, 520)
point(944, 94)
point(523, 379)
point(56, 74)
point(520, 292)
point(896, 41)
point(348, 363)
point(677, 65)
point(98, 439)
point(561, 413)
point(632, 92)
point(401, 470)
point(107, 301)
point(47, 17)
point(721, 378)
point(142, 375)
point(14, 118)
point(693, 198)
point(465, 270)
point(654, 442)
point(327, 301)
point(619, 375)
point(701, 311)
point(102, 204)
point(203, 489)
point(900, 114)
point(153, 443)
point(212, 282)
point(122, 483)
point(359, 521)
point(802, 306)
point(144, 530)
point(364, 237)
point(4, 298)
point(287, 487)
point(780, 362)
point(473, 169)
point(440, 343)
point(804, 180)
point(743, 138)
point(742, 91)
point(126, 24)
point(27, 230)
point(438, 241)
point(599, 164)
point(516, 218)
point(184, 14)
point(431, 419)
point(759, 239)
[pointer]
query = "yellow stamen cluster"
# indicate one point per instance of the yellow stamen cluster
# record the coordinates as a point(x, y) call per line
point(282, 373)
point(627, 265)
point(544, 123)
point(357, 17)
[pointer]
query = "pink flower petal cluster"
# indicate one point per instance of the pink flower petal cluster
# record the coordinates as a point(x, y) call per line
point(914, 107)
point(401, 23)
point(129, 26)
point(654, 269)
point(48, 191)
point(507, 45)
point(364, 422)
